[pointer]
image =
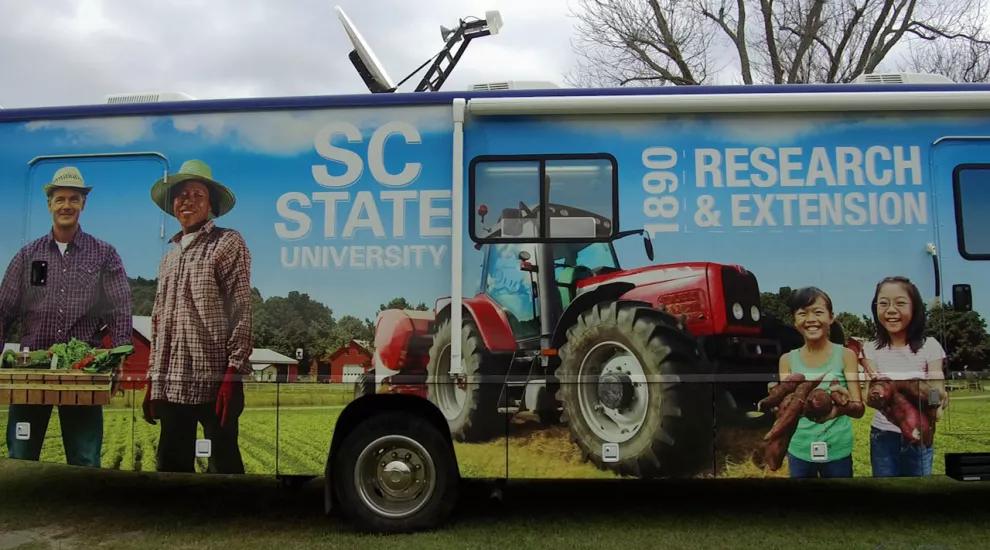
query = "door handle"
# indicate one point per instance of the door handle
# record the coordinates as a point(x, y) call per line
point(930, 248)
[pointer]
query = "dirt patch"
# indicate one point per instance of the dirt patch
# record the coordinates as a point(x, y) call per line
point(525, 431)
point(739, 453)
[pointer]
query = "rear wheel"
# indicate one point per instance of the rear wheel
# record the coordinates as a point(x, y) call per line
point(470, 404)
point(613, 385)
point(395, 473)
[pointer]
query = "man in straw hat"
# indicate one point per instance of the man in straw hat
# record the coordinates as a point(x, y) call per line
point(201, 325)
point(82, 291)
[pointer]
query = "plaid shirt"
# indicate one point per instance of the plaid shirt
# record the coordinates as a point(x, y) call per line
point(201, 322)
point(85, 290)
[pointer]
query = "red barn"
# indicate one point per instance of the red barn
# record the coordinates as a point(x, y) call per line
point(135, 369)
point(349, 361)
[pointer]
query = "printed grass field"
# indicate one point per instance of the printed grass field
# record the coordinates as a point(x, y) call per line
point(295, 440)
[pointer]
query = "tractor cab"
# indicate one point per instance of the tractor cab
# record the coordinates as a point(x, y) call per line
point(511, 270)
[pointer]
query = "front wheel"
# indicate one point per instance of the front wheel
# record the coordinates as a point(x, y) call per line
point(620, 385)
point(395, 473)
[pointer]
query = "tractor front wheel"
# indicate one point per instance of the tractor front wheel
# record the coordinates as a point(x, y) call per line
point(469, 403)
point(619, 385)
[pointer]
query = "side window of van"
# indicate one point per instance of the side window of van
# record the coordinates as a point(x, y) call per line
point(971, 186)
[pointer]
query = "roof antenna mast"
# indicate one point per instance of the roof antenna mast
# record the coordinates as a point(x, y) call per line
point(441, 64)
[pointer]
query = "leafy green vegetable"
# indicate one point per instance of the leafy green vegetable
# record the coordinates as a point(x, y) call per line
point(68, 355)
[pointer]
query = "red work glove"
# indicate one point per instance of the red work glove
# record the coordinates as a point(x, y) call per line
point(149, 407)
point(226, 393)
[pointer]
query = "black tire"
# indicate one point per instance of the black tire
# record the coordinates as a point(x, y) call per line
point(676, 436)
point(439, 459)
point(365, 384)
point(478, 419)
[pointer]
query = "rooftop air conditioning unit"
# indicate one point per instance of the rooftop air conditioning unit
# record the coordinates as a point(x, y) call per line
point(150, 97)
point(514, 85)
point(902, 78)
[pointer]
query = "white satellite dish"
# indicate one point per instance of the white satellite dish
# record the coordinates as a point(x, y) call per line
point(371, 63)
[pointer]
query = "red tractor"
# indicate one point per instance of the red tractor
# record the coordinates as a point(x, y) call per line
point(638, 358)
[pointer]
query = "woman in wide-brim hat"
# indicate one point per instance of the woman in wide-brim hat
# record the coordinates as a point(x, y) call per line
point(221, 198)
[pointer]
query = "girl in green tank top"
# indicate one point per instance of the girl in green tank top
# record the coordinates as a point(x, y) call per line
point(813, 317)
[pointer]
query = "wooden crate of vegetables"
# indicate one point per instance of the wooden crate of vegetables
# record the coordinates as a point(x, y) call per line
point(65, 374)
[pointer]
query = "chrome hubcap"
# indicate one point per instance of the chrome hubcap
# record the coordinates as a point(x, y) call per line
point(395, 476)
point(613, 395)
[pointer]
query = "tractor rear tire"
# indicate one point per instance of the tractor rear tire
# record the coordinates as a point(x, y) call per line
point(674, 436)
point(477, 419)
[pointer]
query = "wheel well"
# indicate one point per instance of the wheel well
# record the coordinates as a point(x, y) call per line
point(365, 407)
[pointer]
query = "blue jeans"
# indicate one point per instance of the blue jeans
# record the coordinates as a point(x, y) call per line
point(892, 456)
point(82, 432)
point(842, 467)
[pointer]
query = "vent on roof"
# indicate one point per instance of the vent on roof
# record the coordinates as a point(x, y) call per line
point(514, 85)
point(153, 97)
point(902, 78)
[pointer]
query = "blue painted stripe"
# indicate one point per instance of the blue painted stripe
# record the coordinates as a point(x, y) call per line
point(441, 98)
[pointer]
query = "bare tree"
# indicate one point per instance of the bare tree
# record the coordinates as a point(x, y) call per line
point(959, 60)
point(680, 42)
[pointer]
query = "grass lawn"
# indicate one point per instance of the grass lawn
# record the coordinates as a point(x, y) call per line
point(51, 506)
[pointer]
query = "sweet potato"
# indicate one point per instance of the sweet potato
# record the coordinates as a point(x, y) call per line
point(905, 405)
point(931, 415)
point(789, 412)
point(792, 408)
point(779, 437)
point(818, 405)
point(843, 404)
point(839, 397)
point(780, 391)
point(774, 452)
point(903, 414)
point(916, 391)
point(879, 393)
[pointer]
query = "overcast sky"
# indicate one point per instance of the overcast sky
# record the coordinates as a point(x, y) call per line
point(56, 52)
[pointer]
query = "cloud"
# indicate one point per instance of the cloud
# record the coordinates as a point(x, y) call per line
point(82, 50)
point(289, 133)
point(91, 132)
point(273, 133)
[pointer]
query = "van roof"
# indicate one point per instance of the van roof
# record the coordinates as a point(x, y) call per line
point(444, 98)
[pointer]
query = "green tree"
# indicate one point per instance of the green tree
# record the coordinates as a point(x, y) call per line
point(859, 327)
point(776, 304)
point(284, 324)
point(963, 335)
point(142, 295)
point(402, 303)
point(350, 328)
